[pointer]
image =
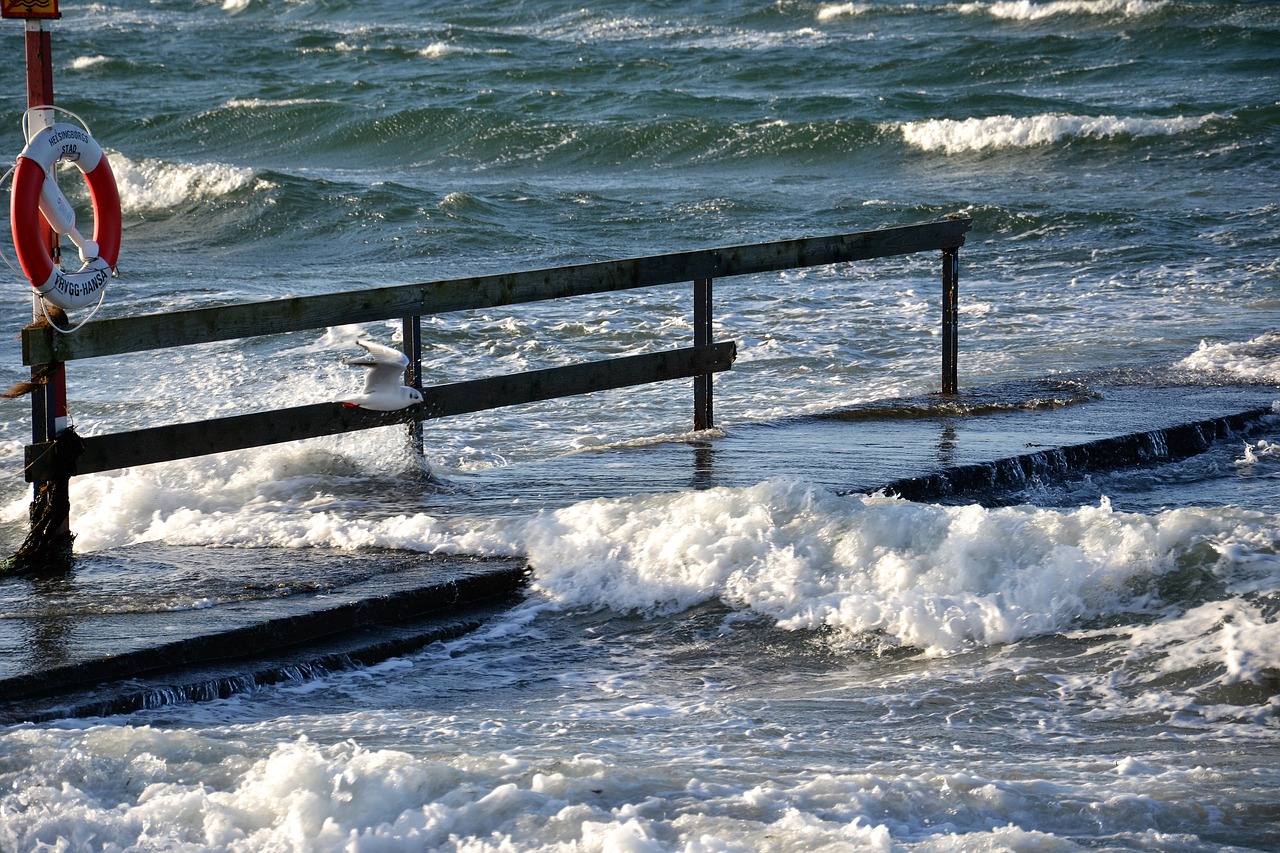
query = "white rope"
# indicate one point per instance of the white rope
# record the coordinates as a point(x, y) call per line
point(26, 118)
point(44, 307)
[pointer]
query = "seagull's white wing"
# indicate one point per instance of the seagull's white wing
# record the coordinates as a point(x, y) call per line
point(383, 377)
point(384, 367)
point(381, 354)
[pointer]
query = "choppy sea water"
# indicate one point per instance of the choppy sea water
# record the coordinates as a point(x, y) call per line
point(762, 667)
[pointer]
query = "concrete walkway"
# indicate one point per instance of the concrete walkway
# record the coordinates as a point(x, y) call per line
point(72, 644)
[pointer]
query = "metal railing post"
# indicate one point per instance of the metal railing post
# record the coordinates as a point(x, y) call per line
point(702, 416)
point(412, 335)
point(950, 318)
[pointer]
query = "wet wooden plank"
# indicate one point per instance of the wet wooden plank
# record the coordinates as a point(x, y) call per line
point(204, 325)
point(182, 441)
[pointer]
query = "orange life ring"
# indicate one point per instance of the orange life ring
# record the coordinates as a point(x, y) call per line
point(35, 192)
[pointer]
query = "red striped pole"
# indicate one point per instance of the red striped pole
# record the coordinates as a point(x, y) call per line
point(50, 509)
point(50, 413)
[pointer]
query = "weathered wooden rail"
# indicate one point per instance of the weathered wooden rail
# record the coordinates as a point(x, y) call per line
point(44, 346)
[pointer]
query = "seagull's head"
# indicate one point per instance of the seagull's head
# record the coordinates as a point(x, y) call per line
point(414, 394)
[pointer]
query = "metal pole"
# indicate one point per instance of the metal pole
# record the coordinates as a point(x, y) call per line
point(412, 334)
point(950, 322)
point(702, 337)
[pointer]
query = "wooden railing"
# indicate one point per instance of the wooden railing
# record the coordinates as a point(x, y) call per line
point(42, 345)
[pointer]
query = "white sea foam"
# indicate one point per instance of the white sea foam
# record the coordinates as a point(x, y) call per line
point(1026, 10)
point(1255, 360)
point(934, 577)
point(272, 497)
point(188, 791)
point(1258, 451)
point(834, 11)
point(1006, 131)
point(150, 184)
point(440, 50)
point(938, 578)
point(260, 103)
point(1231, 638)
point(80, 63)
point(117, 788)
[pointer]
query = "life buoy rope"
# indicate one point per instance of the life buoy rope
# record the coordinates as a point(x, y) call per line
point(36, 195)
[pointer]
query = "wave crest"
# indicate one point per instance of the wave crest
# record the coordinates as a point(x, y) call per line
point(150, 184)
point(833, 11)
point(939, 578)
point(1256, 360)
point(1025, 10)
point(954, 136)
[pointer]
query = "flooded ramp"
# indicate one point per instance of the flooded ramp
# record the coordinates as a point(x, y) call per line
point(983, 445)
point(145, 625)
point(119, 632)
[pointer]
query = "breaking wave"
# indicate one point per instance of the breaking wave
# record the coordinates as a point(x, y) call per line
point(933, 577)
point(953, 136)
point(1026, 10)
point(1256, 360)
point(151, 184)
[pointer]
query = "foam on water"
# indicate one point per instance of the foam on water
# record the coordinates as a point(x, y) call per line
point(1256, 360)
point(1261, 449)
point(1232, 638)
point(953, 136)
point(938, 578)
point(835, 11)
point(538, 734)
point(188, 790)
point(1026, 10)
point(81, 63)
point(151, 184)
point(611, 756)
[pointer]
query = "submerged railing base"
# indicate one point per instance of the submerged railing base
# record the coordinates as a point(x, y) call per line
point(48, 544)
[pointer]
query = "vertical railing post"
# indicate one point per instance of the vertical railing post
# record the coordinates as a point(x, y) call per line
point(950, 318)
point(702, 415)
point(412, 335)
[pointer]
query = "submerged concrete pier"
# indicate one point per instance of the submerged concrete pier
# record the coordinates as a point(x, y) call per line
point(117, 662)
point(70, 644)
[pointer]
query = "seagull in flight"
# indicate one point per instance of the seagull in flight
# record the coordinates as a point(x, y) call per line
point(384, 388)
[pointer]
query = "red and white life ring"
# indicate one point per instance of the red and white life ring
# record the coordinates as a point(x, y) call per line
point(36, 194)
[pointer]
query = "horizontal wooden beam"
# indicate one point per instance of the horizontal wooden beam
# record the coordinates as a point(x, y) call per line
point(41, 344)
point(182, 441)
